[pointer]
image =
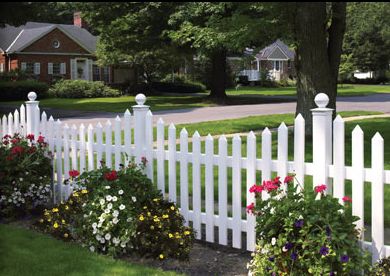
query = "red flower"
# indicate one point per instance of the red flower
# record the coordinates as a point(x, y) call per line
point(15, 140)
point(111, 176)
point(7, 136)
point(17, 150)
point(256, 189)
point(144, 161)
point(270, 185)
point(32, 150)
point(74, 173)
point(41, 139)
point(5, 142)
point(30, 137)
point(9, 158)
point(250, 208)
point(347, 199)
point(288, 178)
point(320, 188)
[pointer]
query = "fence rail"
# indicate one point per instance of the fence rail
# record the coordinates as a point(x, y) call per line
point(200, 182)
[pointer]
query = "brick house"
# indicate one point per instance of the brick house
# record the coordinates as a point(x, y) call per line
point(277, 59)
point(48, 52)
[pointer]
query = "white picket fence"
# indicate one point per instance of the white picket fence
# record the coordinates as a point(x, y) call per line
point(82, 149)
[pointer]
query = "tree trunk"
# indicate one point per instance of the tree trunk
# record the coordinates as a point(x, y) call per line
point(318, 54)
point(218, 75)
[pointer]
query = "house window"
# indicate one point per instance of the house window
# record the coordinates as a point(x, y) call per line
point(276, 65)
point(106, 74)
point(56, 68)
point(96, 73)
point(1, 67)
point(28, 68)
point(289, 64)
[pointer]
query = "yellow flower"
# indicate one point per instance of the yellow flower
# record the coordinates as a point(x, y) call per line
point(66, 207)
point(63, 221)
point(75, 194)
point(55, 210)
point(141, 218)
point(161, 256)
point(187, 233)
point(149, 214)
point(41, 220)
point(172, 208)
point(152, 227)
point(155, 199)
point(145, 207)
point(178, 236)
point(49, 219)
point(66, 235)
point(84, 191)
point(165, 216)
point(170, 236)
point(156, 220)
point(55, 225)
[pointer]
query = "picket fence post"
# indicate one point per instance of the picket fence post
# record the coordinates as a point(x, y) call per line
point(31, 109)
point(140, 110)
point(322, 140)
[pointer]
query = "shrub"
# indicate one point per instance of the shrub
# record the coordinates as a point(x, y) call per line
point(304, 232)
point(178, 87)
point(121, 212)
point(24, 175)
point(381, 268)
point(82, 89)
point(18, 90)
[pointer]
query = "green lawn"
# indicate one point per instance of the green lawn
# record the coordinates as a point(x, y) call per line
point(25, 252)
point(245, 95)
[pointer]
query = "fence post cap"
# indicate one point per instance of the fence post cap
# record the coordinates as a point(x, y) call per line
point(32, 96)
point(140, 99)
point(321, 100)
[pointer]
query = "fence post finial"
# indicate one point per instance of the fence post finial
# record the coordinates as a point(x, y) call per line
point(322, 141)
point(140, 110)
point(31, 109)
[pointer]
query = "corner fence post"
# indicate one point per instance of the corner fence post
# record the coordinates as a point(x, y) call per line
point(31, 109)
point(322, 141)
point(140, 110)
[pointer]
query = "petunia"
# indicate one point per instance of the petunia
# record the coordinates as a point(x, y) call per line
point(299, 223)
point(344, 258)
point(347, 199)
point(294, 256)
point(320, 188)
point(324, 251)
point(250, 208)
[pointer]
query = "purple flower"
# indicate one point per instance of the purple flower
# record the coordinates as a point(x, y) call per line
point(294, 256)
point(324, 251)
point(328, 231)
point(271, 259)
point(332, 273)
point(344, 258)
point(298, 223)
point(288, 246)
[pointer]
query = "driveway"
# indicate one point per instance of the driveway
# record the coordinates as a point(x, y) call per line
point(376, 102)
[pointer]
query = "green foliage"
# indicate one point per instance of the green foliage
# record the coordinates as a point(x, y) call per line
point(18, 90)
point(24, 175)
point(179, 85)
point(304, 232)
point(110, 211)
point(346, 68)
point(82, 89)
point(381, 268)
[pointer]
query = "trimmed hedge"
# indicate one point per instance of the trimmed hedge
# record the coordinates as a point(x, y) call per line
point(82, 89)
point(178, 87)
point(18, 90)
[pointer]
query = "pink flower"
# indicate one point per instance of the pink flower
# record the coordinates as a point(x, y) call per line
point(269, 185)
point(250, 208)
point(347, 199)
point(41, 139)
point(320, 188)
point(111, 176)
point(288, 178)
point(74, 173)
point(256, 189)
point(17, 150)
point(30, 137)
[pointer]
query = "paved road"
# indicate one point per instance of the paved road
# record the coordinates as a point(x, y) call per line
point(376, 102)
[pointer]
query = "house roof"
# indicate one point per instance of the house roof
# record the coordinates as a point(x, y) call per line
point(14, 39)
point(277, 50)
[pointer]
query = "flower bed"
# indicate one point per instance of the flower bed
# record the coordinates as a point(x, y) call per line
point(118, 213)
point(304, 232)
point(24, 175)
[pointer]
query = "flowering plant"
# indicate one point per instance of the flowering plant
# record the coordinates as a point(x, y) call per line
point(304, 232)
point(24, 174)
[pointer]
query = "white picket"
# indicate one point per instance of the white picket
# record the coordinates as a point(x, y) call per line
point(299, 151)
point(184, 174)
point(250, 198)
point(222, 190)
point(127, 130)
point(266, 157)
point(50, 134)
point(82, 155)
point(339, 158)
point(58, 157)
point(377, 197)
point(43, 128)
point(5, 126)
point(172, 162)
point(37, 115)
point(196, 185)
point(23, 119)
point(10, 124)
point(90, 148)
point(209, 184)
point(99, 145)
point(66, 151)
point(118, 142)
point(160, 156)
point(282, 151)
point(73, 145)
point(16, 122)
point(236, 192)
point(108, 132)
point(149, 144)
point(358, 177)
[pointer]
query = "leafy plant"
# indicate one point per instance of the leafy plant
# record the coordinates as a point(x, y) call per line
point(82, 89)
point(304, 232)
point(24, 175)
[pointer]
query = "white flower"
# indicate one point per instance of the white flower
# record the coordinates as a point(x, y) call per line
point(109, 206)
point(115, 220)
point(108, 198)
point(94, 225)
point(121, 207)
point(102, 201)
point(134, 199)
point(114, 198)
point(102, 240)
point(273, 241)
point(115, 213)
point(26, 173)
point(98, 237)
point(107, 236)
point(120, 192)
point(107, 187)
point(20, 179)
point(107, 211)
point(123, 245)
point(284, 249)
point(94, 231)
point(116, 241)
point(92, 248)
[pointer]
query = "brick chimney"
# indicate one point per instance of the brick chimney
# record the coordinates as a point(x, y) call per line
point(78, 21)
